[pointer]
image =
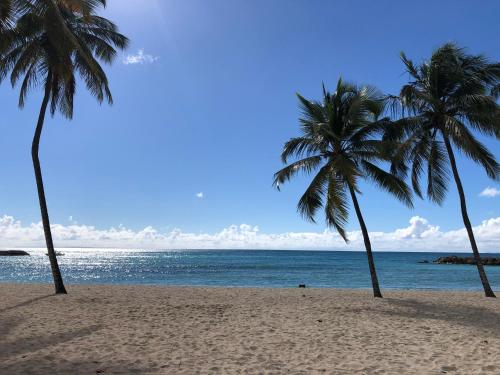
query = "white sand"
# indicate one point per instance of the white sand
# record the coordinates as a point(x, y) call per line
point(163, 330)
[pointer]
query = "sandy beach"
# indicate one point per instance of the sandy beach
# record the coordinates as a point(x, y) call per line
point(174, 330)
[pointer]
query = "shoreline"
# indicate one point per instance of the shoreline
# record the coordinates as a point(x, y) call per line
point(478, 290)
point(184, 330)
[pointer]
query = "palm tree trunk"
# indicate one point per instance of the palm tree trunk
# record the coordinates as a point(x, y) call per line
point(56, 273)
point(484, 279)
point(368, 246)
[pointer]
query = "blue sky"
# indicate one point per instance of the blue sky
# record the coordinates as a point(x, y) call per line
point(211, 104)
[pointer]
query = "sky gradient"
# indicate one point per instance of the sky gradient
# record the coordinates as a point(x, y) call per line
point(204, 100)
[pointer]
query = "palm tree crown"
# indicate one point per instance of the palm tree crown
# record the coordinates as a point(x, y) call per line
point(338, 138)
point(51, 42)
point(449, 97)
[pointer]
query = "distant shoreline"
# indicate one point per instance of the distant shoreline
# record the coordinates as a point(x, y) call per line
point(62, 248)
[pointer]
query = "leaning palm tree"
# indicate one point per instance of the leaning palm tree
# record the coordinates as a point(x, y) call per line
point(50, 43)
point(448, 98)
point(338, 141)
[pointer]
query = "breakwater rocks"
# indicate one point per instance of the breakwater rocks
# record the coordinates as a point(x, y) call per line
point(487, 261)
point(12, 253)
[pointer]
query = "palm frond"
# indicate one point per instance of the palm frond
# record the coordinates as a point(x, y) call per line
point(347, 169)
point(337, 206)
point(388, 182)
point(306, 165)
point(312, 112)
point(481, 112)
point(410, 67)
point(470, 146)
point(302, 146)
point(418, 156)
point(437, 172)
point(312, 199)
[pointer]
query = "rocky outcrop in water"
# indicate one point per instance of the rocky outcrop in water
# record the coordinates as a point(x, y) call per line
point(487, 261)
point(13, 253)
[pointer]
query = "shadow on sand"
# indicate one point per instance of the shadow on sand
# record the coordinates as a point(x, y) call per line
point(33, 354)
point(465, 315)
point(48, 365)
point(29, 355)
point(25, 303)
point(30, 344)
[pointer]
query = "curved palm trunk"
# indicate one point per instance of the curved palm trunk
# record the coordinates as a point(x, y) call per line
point(484, 279)
point(56, 273)
point(368, 246)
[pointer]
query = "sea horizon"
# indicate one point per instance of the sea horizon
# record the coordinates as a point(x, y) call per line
point(146, 249)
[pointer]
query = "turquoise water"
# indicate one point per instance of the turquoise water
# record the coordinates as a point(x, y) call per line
point(337, 269)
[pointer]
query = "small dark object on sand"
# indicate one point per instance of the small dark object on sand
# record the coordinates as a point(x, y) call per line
point(302, 285)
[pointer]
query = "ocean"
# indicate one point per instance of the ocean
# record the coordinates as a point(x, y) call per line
point(247, 268)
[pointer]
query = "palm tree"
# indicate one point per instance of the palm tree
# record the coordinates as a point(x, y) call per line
point(50, 42)
point(449, 97)
point(338, 142)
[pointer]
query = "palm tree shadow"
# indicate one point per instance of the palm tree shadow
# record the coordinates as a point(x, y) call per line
point(31, 366)
point(6, 326)
point(22, 355)
point(465, 315)
point(25, 303)
point(31, 344)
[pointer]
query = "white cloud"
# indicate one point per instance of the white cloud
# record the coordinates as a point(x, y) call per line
point(200, 195)
point(419, 228)
point(419, 235)
point(490, 192)
point(140, 58)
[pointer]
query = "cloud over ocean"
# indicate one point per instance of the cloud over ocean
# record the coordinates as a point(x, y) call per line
point(419, 235)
